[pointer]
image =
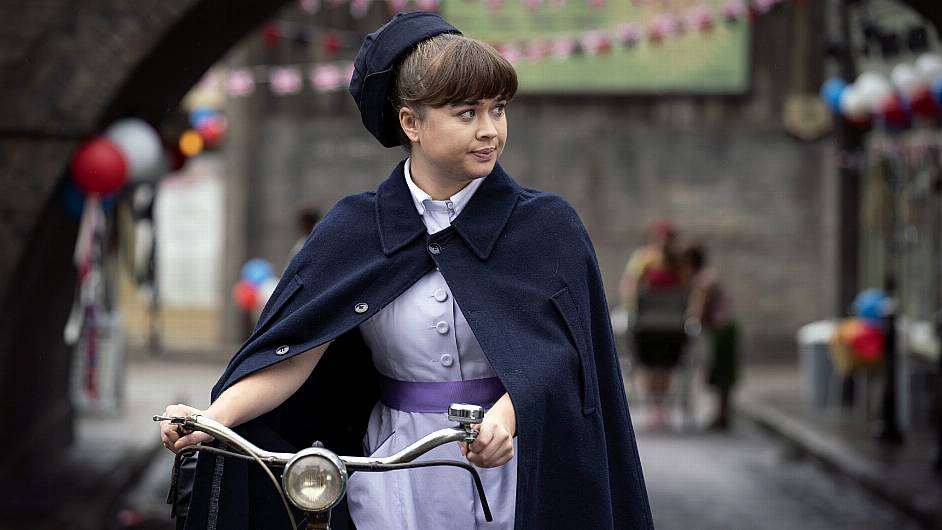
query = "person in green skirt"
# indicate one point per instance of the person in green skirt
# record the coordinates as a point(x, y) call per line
point(709, 307)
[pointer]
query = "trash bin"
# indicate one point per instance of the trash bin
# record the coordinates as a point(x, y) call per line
point(815, 361)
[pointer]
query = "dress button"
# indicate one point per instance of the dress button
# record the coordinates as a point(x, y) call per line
point(441, 295)
point(441, 327)
point(447, 360)
point(435, 249)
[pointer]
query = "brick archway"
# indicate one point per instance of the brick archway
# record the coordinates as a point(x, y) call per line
point(69, 69)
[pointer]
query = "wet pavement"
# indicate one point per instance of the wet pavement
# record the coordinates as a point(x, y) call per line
point(746, 478)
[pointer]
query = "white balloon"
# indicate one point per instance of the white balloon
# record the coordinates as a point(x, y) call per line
point(141, 145)
point(853, 104)
point(872, 88)
point(929, 66)
point(265, 290)
point(906, 78)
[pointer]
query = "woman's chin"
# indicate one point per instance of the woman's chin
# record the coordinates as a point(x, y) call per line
point(482, 169)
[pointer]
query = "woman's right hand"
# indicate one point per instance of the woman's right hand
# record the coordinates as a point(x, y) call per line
point(172, 438)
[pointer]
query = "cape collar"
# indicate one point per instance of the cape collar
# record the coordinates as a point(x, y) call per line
point(480, 223)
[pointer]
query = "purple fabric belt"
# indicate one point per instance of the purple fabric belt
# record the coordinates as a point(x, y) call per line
point(436, 396)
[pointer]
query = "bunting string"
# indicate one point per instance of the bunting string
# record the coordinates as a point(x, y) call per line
point(333, 74)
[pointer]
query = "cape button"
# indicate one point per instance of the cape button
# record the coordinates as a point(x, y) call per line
point(282, 350)
point(441, 295)
point(441, 327)
point(361, 308)
point(447, 360)
point(435, 249)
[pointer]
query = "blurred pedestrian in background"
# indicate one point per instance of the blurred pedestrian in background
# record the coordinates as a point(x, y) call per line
point(654, 292)
point(307, 219)
point(709, 308)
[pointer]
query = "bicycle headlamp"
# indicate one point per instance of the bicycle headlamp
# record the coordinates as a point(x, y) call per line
point(315, 479)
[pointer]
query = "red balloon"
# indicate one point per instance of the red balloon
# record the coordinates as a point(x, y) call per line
point(867, 342)
point(923, 104)
point(331, 44)
point(245, 295)
point(99, 166)
point(893, 112)
point(175, 158)
point(271, 34)
point(212, 130)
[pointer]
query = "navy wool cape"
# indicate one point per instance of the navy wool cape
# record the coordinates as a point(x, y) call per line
point(523, 270)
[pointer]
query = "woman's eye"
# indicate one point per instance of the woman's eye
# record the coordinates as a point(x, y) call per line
point(467, 115)
point(500, 109)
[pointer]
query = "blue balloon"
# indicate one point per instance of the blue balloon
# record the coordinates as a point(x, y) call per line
point(869, 304)
point(256, 271)
point(73, 198)
point(831, 92)
point(201, 114)
point(936, 87)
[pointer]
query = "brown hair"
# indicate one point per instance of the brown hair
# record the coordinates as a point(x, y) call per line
point(449, 69)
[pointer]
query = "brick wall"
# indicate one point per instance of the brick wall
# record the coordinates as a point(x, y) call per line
point(721, 167)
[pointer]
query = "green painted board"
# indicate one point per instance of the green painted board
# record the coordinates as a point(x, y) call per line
point(714, 61)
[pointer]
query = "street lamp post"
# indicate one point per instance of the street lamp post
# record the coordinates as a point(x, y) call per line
point(888, 430)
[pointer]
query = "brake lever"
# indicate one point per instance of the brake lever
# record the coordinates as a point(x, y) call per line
point(179, 421)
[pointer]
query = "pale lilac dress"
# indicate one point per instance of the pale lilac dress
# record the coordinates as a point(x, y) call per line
point(423, 336)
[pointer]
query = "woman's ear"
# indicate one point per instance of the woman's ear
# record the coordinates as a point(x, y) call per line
point(409, 121)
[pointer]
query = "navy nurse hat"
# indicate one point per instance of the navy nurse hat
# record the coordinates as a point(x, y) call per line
point(373, 69)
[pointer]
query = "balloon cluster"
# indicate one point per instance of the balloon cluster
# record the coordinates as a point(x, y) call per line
point(910, 91)
point(207, 129)
point(256, 284)
point(859, 340)
point(130, 149)
point(863, 342)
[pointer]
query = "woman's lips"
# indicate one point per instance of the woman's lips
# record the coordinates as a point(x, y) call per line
point(484, 154)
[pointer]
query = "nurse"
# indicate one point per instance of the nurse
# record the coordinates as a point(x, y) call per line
point(450, 94)
point(520, 327)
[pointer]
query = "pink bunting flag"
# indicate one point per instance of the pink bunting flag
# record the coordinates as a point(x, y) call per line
point(670, 25)
point(763, 6)
point(532, 5)
point(562, 48)
point(396, 6)
point(596, 42)
point(239, 83)
point(326, 77)
point(285, 80)
point(537, 50)
point(359, 8)
point(428, 5)
point(628, 34)
point(700, 18)
point(596, 4)
point(495, 4)
point(210, 82)
point(310, 6)
point(510, 52)
point(735, 9)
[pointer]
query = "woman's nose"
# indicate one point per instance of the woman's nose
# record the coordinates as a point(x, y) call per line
point(487, 128)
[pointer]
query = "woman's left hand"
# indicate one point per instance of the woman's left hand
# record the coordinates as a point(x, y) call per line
point(494, 445)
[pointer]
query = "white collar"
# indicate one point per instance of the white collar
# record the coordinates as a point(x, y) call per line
point(423, 200)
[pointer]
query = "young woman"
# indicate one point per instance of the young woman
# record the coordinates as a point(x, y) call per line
point(449, 280)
